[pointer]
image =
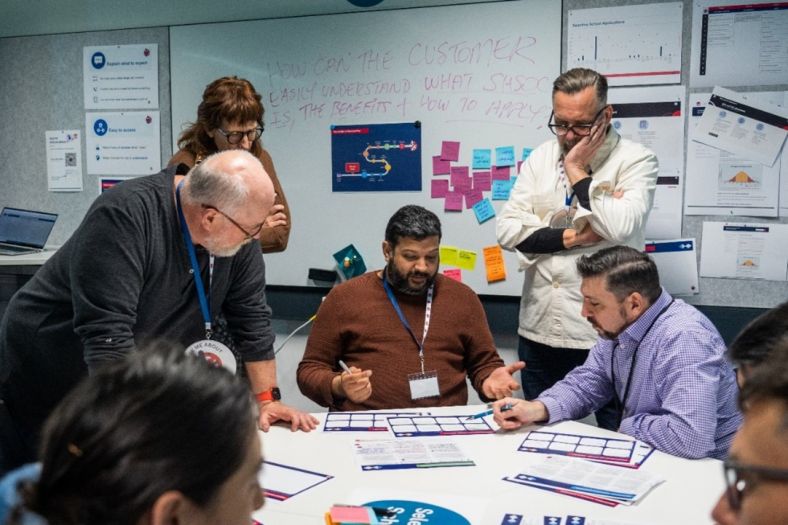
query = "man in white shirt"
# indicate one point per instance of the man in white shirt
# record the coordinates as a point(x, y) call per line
point(587, 189)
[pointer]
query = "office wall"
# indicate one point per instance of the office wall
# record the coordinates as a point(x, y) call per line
point(42, 90)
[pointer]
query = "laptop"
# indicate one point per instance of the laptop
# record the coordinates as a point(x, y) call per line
point(24, 231)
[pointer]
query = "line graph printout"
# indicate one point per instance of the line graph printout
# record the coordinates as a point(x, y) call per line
point(630, 45)
point(737, 43)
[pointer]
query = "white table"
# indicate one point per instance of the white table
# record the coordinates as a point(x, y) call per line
point(686, 497)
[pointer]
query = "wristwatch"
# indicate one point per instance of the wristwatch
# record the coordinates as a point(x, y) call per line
point(272, 394)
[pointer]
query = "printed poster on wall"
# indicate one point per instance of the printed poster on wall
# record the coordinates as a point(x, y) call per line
point(64, 160)
point(376, 157)
point(121, 77)
point(123, 143)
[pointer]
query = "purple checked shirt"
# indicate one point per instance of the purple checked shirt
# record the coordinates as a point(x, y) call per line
point(682, 399)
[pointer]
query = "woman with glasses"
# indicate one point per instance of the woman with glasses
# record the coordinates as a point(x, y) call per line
point(230, 116)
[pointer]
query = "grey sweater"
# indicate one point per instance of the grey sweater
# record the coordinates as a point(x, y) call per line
point(122, 279)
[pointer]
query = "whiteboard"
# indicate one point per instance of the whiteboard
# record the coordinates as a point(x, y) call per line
point(480, 74)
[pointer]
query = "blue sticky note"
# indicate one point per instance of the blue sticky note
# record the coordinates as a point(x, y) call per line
point(501, 190)
point(526, 153)
point(504, 156)
point(482, 158)
point(484, 210)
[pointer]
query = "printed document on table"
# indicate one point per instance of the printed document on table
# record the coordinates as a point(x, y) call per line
point(634, 44)
point(743, 125)
point(745, 251)
point(408, 453)
point(654, 117)
point(736, 43)
point(64, 160)
point(722, 183)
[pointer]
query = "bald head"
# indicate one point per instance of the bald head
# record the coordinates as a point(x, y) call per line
point(231, 181)
point(226, 200)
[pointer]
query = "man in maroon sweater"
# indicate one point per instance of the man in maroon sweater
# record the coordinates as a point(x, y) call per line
point(403, 336)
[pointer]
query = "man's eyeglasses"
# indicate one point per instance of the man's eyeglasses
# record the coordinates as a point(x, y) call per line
point(739, 478)
point(581, 130)
point(235, 137)
point(249, 235)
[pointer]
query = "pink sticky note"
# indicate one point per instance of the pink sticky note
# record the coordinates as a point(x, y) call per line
point(453, 273)
point(459, 177)
point(440, 167)
point(453, 201)
point(500, 172)
point(472, 197)
point(450, 150)
point(482, 181)
point(349, 514)
point(440, 187)
point(519, 164)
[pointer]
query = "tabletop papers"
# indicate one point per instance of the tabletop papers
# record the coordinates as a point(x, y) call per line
point(389, 454)
point(361, 421)
point(281, 482)
point(591, 481)
point(419, 426)
point(612, 451)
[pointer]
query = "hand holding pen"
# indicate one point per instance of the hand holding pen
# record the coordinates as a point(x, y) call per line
point(353, 383)
point(511, 413)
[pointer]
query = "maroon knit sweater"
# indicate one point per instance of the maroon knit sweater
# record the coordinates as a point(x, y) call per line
point(357, 323)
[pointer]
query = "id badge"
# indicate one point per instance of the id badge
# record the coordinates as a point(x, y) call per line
point(563, 218)
point(424, 385)
point(214, 352)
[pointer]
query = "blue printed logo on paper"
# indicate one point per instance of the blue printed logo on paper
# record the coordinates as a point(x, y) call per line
point(759, 126)
point(418, 512)
point(643, 124)
point(741, 120)
point(617, 124)
point(98, 60)
point(100, 127)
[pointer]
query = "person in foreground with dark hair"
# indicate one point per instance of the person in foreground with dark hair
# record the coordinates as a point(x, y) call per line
point(158, 438)
point(760, 341)
point(658, 358)
point(756, 472)
point(407, 336)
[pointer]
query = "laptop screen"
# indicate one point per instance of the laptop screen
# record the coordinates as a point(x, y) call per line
point(25, 227)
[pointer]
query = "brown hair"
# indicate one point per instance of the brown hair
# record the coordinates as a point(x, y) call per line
point(231, 99)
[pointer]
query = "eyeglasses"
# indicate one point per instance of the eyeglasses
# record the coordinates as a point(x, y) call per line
point(235, 137)
point(581, 130)
point(739, 478)
point(249, 235)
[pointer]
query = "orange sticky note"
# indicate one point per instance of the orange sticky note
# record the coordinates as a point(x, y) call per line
point(493, 263)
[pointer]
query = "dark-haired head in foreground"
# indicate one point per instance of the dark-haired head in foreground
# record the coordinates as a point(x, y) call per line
point(158, 438)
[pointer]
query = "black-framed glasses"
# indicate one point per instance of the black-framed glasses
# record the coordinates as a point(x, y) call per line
point(739, 478)
point(248, 234)
point(235, 137)
point(581, 130)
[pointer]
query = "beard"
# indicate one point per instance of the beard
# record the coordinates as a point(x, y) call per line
point(223, 251)
point(606, 334)
point(401, 281)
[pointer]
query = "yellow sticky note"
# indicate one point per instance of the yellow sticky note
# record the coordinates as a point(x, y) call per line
point(493, 262)
point(466, 259)
point(449, 255)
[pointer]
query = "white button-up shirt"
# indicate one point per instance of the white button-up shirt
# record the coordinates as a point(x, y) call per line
point(551, 301)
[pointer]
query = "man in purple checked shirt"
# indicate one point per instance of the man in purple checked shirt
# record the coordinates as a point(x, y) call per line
point(657, 357)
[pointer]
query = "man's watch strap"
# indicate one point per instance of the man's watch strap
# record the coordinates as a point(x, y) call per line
point(272, 394)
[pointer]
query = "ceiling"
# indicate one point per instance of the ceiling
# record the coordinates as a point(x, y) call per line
point(41, 17)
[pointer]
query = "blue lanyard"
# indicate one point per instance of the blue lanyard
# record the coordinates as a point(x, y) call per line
point(427, 313)
point(205, 307)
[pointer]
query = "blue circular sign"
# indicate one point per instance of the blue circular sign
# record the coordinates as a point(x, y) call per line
point(100, 127)
point(420, 512)
point(98, 60)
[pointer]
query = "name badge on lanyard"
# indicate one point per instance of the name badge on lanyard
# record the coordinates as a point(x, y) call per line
point(212, 351)
point(422, 384)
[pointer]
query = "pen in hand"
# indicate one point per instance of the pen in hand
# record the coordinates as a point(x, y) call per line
point(504, 408)
point(344, 367)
